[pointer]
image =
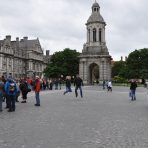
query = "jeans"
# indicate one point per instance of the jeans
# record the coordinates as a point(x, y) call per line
point(80, 88)
point(37, 96)
point(11, 102)
point(68, 89)
point(133, 94)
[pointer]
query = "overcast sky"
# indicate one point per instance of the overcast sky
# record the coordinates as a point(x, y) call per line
point(61, 23)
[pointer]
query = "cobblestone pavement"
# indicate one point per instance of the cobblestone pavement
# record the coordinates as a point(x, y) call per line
point(100, 119)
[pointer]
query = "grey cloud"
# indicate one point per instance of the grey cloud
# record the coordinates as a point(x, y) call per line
point(61, 23)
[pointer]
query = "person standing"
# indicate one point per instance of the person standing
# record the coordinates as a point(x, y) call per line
point(1, 93)
point(109, 86)
point(11, 90)
point(104, 84)
point(133, 87)
point(24, 89)
point(37, 88)
point(50, 84)
point(68, 85)
point(78, 83)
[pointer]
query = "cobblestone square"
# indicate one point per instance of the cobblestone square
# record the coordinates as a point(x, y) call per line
point(100, 119)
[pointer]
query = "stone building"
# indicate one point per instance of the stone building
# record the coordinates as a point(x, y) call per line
point(95, 61)
point(21, 58)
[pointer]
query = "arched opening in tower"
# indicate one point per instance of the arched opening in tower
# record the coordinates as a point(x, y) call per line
point(94, 73)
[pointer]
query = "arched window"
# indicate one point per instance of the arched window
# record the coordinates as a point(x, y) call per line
point(94, 35)
point(100, 35)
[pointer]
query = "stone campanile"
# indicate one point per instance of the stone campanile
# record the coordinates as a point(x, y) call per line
point(95, 61)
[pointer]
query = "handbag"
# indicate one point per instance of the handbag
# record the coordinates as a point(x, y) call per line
point(29, 88)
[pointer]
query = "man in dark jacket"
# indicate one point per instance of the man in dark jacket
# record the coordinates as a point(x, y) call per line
point(24, 89)
point(78, 83)
point(133, 90)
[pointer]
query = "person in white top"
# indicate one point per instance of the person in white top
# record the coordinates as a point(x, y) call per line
point(109, 86)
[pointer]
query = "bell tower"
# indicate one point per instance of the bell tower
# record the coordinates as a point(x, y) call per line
point(95, 61)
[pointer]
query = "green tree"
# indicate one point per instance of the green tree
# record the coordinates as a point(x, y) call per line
point(64, 63)
point(118, 68)
point(137, 64)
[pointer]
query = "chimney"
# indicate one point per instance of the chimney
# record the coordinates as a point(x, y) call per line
point(25, 38)
point(125, 58)
point(47, 52)
point(8, 37)
point(17, 39)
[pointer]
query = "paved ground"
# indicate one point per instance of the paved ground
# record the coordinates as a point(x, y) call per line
point(99, 120)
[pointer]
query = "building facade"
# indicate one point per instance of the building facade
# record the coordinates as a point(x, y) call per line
point(95, 61)
point(22, 58)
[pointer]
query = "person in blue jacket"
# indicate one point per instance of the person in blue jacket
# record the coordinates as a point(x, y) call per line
point(11, 91)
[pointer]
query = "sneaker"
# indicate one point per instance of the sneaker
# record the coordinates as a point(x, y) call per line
point(36, 104)
point(23, 102)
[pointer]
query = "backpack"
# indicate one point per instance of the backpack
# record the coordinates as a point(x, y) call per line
point(12, 87)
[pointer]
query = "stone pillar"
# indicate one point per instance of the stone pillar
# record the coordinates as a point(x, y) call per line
point(103, 34)
point(102, 70)
point(83, 70)
point(1, 62)
point(87, 35)
point(91, 35)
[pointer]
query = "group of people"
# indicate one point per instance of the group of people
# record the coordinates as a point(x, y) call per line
point(78, 83)
point(10, 90)
point(133, 86)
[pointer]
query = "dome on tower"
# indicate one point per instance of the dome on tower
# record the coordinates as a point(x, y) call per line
point(95, 5)
point(95, 16)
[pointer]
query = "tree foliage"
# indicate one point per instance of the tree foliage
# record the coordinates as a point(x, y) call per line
point(64, 63)
point(118, 68)
point(136, 65)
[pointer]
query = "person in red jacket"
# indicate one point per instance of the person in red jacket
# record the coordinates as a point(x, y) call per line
point(37, 88)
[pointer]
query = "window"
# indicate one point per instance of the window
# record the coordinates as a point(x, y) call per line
point(94, 35)
point(100, 35)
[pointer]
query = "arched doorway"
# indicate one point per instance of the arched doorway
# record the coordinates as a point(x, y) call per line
point(94, 73)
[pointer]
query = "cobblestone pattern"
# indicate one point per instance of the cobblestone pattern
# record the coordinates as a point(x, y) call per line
point(99, 120)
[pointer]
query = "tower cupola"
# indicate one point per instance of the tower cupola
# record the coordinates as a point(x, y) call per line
point(95, 7)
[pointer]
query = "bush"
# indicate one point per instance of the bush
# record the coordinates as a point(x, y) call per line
point(118, 79)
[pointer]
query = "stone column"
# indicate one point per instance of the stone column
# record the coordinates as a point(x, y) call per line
point(91, 35)
point(83, 70)
point(103, 34)
point(1, 62)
